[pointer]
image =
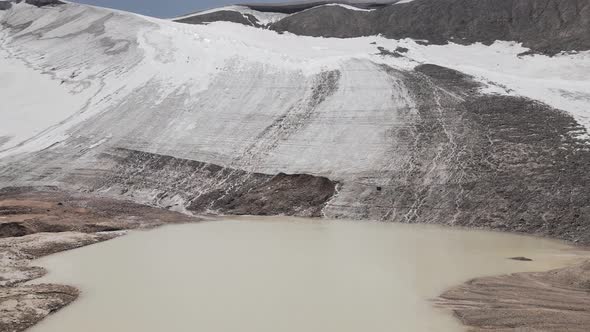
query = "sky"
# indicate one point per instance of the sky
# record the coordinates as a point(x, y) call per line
point(165, 8)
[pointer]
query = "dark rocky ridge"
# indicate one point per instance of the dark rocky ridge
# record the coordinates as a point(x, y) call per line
point(295, 7)
point(224, 16)
point(328, 21)
point(545, 26)
point(41, 3)
point(5, 5)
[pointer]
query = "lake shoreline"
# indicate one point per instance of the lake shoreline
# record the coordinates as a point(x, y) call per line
point(37, 222)
point(555, 300)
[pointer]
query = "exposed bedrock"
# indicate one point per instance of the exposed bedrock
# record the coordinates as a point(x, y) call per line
point(222, 15)
point(327, 21)
point(5, 5)
point(41, 3)
point(296, 6)
point(547, 26)
point(544, 26)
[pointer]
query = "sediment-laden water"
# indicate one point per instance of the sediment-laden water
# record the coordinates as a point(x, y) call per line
point(283, 274)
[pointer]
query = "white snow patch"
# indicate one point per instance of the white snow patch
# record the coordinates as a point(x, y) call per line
point(31, 102)
point(562, 81)
point(349, 7)
point(99, 143)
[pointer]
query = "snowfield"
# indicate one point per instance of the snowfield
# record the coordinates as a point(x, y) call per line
point(79, 81)
point(178, 59)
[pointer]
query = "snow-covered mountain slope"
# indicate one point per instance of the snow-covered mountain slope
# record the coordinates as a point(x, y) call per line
point(188, 115)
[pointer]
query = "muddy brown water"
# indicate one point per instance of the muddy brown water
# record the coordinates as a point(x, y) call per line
point(283, 274)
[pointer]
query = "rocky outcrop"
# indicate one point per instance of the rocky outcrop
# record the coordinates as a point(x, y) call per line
point(293, 7)
point(222, 15)
point(41, 3)
point(327, 21)
point(4, 5)
point(547, 26)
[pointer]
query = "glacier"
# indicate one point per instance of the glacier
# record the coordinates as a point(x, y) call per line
point(473, 135)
